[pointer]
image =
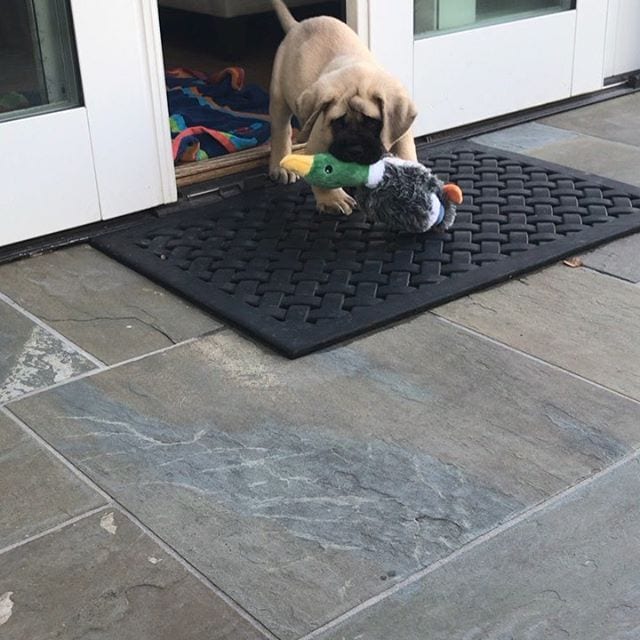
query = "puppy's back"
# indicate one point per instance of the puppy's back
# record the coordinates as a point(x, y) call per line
point(313, 47)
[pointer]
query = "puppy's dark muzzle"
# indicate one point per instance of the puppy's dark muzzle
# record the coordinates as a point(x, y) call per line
point(354, 148)
point(359, 154)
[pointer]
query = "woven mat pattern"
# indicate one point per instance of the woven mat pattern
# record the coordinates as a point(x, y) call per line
point(301, 280)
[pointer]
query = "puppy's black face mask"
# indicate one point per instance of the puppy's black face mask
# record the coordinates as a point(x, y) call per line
point(357, 139)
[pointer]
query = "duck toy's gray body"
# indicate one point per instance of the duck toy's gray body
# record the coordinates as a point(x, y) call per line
point(405, 196)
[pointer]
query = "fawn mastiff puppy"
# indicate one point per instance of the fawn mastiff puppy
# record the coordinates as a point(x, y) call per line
point(345, 101)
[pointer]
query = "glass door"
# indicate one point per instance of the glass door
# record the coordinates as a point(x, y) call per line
point(83, 124)
point(469, 60)
point(46, 163)
point(38, 73)
point(435, 17)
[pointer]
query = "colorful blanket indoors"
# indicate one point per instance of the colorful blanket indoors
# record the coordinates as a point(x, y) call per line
point(214, 115)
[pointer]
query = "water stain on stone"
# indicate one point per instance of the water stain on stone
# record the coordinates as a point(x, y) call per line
point(351, 362)
point(42, 360)
point(107, 522)
point(594, 442)
point(6, 607)
point(394, 506)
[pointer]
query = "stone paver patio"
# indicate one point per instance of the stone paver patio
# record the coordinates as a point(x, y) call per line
point(469, 474)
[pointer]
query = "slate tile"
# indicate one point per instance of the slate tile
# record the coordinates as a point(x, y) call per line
point(616, 120)
point(582, 321)
point(620, 258)
point(38, 492)
point(569, 571)
point(304, 487)
point(523, 137)
point(103, 578)
point(31, 357)
point(105, 308)
point(613, 160)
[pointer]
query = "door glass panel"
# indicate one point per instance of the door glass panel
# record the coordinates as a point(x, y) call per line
point(432, 17)
point(38, 70)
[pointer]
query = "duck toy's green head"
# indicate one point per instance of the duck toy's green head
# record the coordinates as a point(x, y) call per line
point(326, 171)
point(404, 195)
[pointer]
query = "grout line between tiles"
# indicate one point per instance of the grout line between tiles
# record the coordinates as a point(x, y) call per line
point(594, 135)
point(485, 537)
point(601, 272)
point(59, 527)
point(55, 453)
point(49, 329)
point(574, 134)
point(114, 504)
point(192, 570)
point(508, 347)
point(527, 145)
point(109, 367)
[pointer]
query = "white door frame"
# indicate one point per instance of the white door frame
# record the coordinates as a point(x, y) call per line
point(590, 50)
point(124, 87)
point(358, 18)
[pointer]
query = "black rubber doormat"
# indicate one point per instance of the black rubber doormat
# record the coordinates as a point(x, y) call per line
point(266, 262)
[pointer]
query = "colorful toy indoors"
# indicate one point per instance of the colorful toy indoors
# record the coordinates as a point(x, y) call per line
point(404, 195)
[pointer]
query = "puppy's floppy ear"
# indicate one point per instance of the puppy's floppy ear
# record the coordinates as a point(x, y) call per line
point(312, 102)
point(398, 113)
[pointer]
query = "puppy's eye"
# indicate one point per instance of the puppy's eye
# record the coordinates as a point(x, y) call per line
point(328, 169)
point(340, 123)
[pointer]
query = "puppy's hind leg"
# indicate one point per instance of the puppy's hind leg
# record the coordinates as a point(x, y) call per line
point(280, 139)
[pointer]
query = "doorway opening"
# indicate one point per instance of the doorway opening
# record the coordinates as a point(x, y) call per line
point(218, 56)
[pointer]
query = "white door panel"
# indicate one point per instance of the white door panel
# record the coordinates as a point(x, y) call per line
point(121, 67)
point(47, 177)
point(68, 158)
point(46, 186)
point(478, 59)
point(472, 75)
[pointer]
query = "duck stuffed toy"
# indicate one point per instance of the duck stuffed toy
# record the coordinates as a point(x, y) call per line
point(404, 195)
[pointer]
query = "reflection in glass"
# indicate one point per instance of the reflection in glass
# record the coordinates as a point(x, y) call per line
point(432, 17)
point(37, 58)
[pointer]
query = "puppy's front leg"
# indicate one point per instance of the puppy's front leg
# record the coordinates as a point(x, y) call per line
point(280, 139)
point(327, 200)
point(333, 201)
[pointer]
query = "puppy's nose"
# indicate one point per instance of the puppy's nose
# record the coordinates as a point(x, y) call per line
point(357, 152)
point(365, 155)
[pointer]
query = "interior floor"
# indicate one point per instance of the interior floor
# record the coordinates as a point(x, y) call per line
point(215, 116)
point(208, 44)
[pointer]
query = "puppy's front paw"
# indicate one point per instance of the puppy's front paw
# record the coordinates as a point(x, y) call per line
point(336, 201)
point(278, 174)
